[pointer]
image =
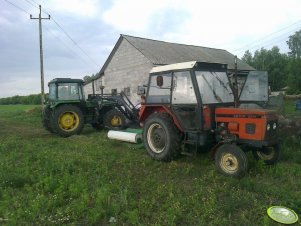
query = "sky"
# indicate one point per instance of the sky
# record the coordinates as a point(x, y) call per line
point(94, 26)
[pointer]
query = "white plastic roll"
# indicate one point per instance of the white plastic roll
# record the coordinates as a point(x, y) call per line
point(125, 136)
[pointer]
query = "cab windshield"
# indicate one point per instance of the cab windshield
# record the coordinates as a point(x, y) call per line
point(69, 91)
point(255, 87)
point(214, 87)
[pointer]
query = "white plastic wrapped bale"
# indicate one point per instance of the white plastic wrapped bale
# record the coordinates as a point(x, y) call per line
point(125, 136)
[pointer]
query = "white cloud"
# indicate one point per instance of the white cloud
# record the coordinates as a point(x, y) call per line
point(87, 8)
point(134, 15)
point(221, 24)
point(4, 22)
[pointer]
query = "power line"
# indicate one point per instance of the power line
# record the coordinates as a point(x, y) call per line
point(64, 44)
point(72, 40)
point(271, 41)
point(31, 4)
point(18, 7)
point(280, 40)
point(34, 3)
point(260, 40)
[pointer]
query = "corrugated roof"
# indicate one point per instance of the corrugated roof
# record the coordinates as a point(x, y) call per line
point(162, 53)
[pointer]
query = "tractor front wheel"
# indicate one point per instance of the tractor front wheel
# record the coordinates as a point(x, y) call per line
point(67, 120)
point(270, 155)
point(114, 120)
point(230, 160)
point(161, 137)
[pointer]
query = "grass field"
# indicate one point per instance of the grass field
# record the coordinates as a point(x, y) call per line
point(90, 180)
point(289, 109)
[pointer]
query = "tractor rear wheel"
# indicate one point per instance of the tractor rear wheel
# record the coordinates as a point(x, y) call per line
point(114, 120)
point(67, 120)
point(230, 160)
point(161, 137)
point(46, 119)
point(270, 155)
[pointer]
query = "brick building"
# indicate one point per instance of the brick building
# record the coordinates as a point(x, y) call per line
point(131, 59)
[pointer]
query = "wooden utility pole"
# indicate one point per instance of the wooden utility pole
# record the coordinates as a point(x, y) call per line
point(41, 51)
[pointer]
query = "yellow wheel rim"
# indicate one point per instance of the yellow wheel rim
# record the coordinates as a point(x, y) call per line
point(116, 121)
point(68, 121)
point(229, 163)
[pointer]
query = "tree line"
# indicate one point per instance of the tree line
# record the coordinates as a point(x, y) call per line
point(33, 99)
point(284, 69)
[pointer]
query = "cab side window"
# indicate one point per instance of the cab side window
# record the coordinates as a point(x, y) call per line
point(159, 88)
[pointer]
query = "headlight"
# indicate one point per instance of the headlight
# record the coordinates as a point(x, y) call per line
point(268, 127)
point(274, 126)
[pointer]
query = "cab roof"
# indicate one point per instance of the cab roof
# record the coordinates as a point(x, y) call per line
point(66, 80)
point(189, 65)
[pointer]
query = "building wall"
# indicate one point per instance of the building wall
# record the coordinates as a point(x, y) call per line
point(88, 89)
point(128, 68)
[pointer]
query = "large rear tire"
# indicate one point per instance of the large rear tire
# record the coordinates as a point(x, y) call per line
point(269, 155)
point(230, 160)
point(114, 120)
point(67, 120)
point(46, 119)
point(161, 137)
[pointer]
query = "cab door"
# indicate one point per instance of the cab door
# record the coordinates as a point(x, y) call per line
point(184, 101)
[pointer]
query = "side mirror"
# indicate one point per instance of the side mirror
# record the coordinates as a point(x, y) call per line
point(159, 80)
point(140, 90)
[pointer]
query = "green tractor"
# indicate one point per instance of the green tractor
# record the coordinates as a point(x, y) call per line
point(66, 111)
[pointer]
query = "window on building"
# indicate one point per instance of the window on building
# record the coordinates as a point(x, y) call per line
point(127, 91)
point(114, 91)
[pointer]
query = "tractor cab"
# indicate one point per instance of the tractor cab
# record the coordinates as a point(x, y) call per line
point(193, 90)
point(65, 89)
point(199, 102)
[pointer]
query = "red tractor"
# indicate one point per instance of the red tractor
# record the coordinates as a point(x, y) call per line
point(199, 103)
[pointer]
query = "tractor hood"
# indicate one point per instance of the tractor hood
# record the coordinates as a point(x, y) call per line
point(245, 113)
